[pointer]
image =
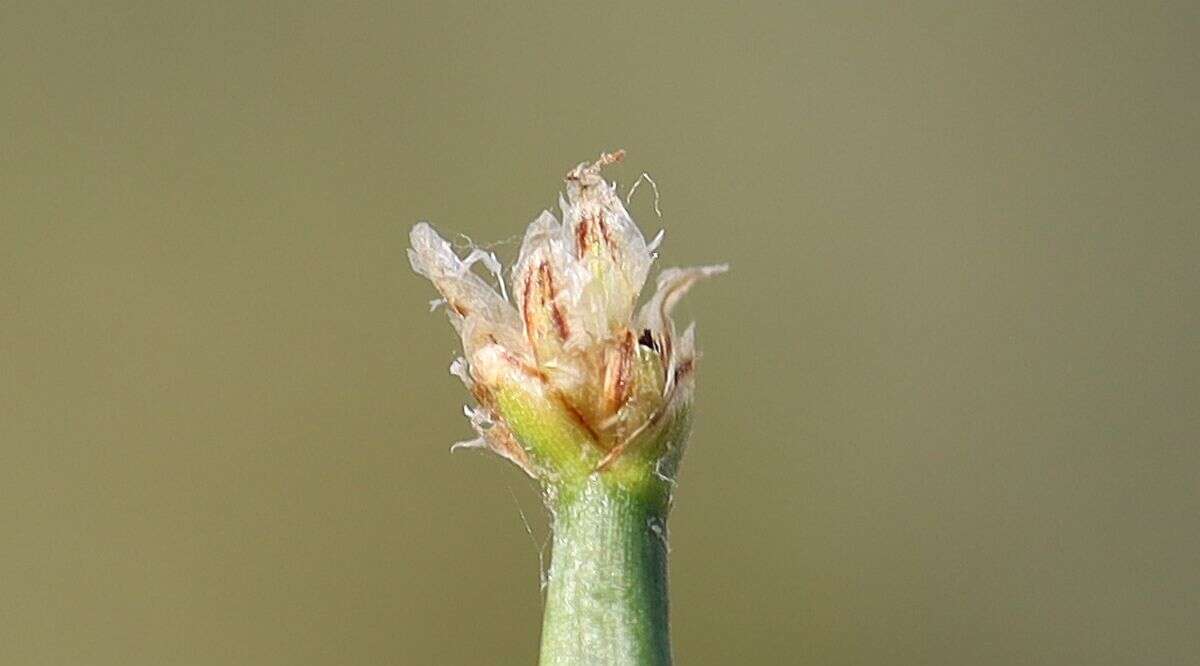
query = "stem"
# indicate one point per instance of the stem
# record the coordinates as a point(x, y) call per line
point(607, 598)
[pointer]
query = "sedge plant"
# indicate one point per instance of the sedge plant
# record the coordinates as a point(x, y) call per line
point(591, 396)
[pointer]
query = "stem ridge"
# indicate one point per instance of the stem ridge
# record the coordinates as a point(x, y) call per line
point(606, 602)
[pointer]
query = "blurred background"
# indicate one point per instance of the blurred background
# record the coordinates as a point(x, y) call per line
point(948, 411)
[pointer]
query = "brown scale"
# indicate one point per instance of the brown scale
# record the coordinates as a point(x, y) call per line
point(546, 296)
point(593, 230)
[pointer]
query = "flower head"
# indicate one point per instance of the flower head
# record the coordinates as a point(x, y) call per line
point(569, 376)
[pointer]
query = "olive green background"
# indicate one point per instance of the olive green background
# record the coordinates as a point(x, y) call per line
point(948, 411)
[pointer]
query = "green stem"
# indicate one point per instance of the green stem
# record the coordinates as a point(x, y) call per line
point(607, 596)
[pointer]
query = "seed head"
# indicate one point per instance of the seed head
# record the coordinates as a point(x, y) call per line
point(569, 377)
